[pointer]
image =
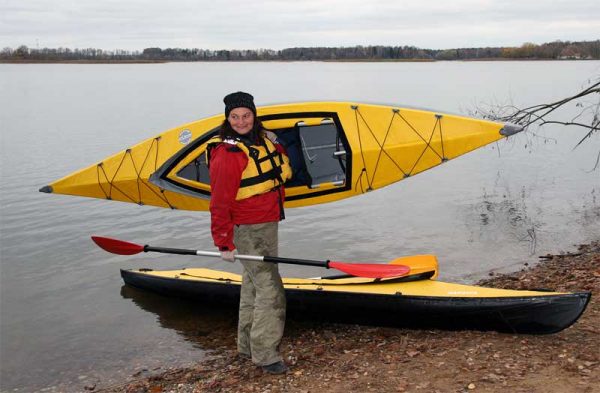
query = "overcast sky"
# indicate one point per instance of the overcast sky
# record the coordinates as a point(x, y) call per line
point(277, 24)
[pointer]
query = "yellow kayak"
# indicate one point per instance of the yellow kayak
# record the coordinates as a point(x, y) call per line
point(416, 300)
point(337, 150)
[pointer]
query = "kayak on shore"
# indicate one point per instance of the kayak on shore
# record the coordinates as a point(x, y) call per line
point(417, 300)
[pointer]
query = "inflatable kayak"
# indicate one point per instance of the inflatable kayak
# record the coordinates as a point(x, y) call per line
point(416, 300)
point(337, 150)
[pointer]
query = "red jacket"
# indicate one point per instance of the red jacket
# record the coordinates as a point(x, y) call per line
point(226, 166)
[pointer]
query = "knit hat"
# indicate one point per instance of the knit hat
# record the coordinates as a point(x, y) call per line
point(239, 100)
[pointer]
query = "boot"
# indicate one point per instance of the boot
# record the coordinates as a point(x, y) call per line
point(276, 368)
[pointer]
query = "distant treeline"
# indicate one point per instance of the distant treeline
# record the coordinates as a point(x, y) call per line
point(552, 50)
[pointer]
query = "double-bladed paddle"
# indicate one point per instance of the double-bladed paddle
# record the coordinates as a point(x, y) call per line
point(369, 270)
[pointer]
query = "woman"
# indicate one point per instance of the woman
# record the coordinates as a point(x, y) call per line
point(247, 171)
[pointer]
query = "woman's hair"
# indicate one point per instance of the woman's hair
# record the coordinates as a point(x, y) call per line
point(254, 134)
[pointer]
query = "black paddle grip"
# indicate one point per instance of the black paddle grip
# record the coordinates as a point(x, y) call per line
point(180, 251)
point(293, 261)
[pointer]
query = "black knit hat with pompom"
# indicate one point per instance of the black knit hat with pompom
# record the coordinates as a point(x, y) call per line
point(239, 100)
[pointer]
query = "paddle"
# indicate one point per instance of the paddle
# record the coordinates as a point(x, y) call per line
point(121, 247)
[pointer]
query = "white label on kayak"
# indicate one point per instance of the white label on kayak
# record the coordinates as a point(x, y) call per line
point(185, 136)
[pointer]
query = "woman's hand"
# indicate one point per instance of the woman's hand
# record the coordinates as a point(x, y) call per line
point(228, 256)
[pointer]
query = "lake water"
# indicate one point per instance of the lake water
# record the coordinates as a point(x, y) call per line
point(66, 319)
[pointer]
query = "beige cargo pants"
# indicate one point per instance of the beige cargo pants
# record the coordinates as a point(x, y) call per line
point(262, 298)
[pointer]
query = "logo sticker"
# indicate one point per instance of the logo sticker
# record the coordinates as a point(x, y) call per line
point(185, 136)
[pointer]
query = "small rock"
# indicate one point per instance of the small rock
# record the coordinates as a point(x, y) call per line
point(471, 386)
point(491, 377)
point(319, 351)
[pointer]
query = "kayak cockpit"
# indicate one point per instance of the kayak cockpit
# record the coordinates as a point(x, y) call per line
point(315, 144)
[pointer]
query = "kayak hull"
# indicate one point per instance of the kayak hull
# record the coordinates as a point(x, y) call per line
point(530, 313)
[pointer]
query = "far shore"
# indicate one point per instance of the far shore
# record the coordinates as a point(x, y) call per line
point(30, 61)
point(132, 61)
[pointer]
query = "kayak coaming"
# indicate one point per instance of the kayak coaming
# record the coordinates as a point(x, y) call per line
point(423, 303)
point(383, 145)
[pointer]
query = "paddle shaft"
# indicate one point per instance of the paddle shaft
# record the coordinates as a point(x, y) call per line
point(368, 270)
point(291, 261)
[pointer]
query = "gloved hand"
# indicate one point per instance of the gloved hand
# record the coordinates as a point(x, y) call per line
point(228, 256)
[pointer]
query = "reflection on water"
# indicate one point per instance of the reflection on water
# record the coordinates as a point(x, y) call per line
point(206, 327)
point(507, 214)
point(589, 213)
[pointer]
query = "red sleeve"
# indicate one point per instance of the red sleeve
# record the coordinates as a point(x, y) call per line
point(225, 172)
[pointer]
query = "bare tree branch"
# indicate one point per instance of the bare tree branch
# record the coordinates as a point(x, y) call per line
point(540, 115)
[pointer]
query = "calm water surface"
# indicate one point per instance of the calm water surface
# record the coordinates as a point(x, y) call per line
point(68, 322)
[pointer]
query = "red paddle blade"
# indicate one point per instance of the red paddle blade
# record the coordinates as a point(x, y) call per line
point(117, 246)
point(371, 270)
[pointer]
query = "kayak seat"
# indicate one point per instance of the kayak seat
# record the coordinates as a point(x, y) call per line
point(290, 139)
point(197, 170)
point(316, 154)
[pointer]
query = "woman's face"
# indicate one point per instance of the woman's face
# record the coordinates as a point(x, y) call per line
point(241, 120)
